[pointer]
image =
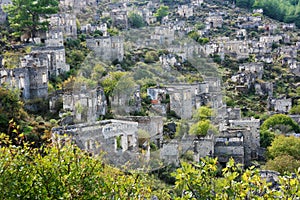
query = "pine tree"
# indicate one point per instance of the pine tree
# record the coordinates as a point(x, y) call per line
point(30, 16)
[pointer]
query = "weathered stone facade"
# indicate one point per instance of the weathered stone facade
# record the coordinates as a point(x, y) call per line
point(56, 57)
point(3, 15)
point(169, 153)
point(163, 35)
point(65, 23)
point(108, 48)
point(115, 137)
point(230, 144)
point(31, 78)
point(185, 11)
point(86, 105)
point(280, 105)
point(151, 124)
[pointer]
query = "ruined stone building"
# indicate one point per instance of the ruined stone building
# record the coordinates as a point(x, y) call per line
point(230, 145)
point(31, 78)
point(163, 35)
point(85, 105)
point(280, 105)
point(182, 99)
point(55, 53)
point(76, 5)
point(107, 48)
point(117, 138)
point(151, 124)
point(65, 23)
point(185, 11)
point(119, 19)
point(214, 22)
point(56, 59)
point(250, 131)
point(3, 15)
point(269, 40)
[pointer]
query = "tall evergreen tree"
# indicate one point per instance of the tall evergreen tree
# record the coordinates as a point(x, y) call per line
point(30, 16)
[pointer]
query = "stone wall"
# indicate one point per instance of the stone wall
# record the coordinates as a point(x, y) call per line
point(56, 57)
point(169, 153)
point(31, 78)
point(230, 144)
point(86, 106)
point(250, 131)
point(183, 99)
point(65, 23)
point(108, 48)
point(110, 136)
point(3, 15)
point(152, 124)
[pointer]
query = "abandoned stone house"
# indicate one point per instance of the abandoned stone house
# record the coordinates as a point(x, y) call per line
point(259, 48)
point(85, 105)
point(89, 28)
point(148, 16)
point(185, 11)
point(119, 18)
point(197, 2)
point(288, 51)
point(264, 88)
point(289, 27)
point(280, 105)
point(107, 48)
point(31, 78)
point(180, 98)
point(241, 34)
point(214, 22)
point(126, 100)
point(65, 23)
point(230, 145)
point(3, 15)
point(116, 138)
point(269, 40)
point(239, 140)
point(252, 138)
point(183, 99)
point(163, 35)
point(76, 5)
point(268, 27)
point(151, 124)
point(55, 57)
point(236, 48)
point(253, 68)
point(184, 51)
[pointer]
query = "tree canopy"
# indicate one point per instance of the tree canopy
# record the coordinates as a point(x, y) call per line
point(287, 11)
point(284, 154)
point(66, 172)
point(162, 12)
point(281, 122)
point(30, 16)
point(136, 20)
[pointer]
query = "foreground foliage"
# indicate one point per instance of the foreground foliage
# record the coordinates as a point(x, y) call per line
point(66, 172)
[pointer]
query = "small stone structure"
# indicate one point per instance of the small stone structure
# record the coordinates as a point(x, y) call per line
point(214, 21)
point(151, 124)
point(185, 11)
point(31, 78)
point(169, 153)
point(280, 105)
point(85, 105)
point(3, 15)
point(65, 23)
point(108, 48)
point(115, 137)
point(163, 35)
